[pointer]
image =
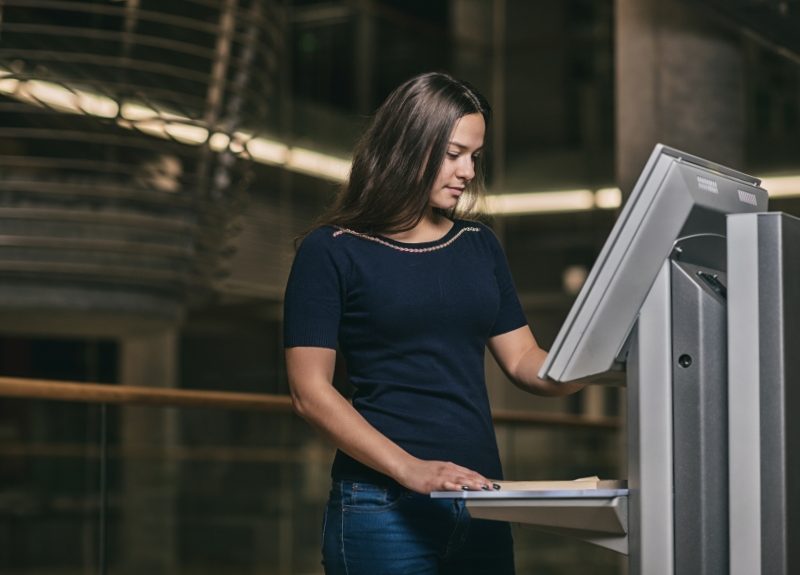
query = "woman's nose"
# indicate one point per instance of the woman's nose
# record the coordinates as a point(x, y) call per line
point(466, 168)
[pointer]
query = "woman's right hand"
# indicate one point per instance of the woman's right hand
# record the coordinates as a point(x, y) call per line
point(426, 476)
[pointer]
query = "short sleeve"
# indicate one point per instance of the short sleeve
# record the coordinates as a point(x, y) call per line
point(510, 315)
point(314, 294)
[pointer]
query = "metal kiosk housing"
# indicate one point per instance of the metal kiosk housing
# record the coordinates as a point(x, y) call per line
point(657, 305)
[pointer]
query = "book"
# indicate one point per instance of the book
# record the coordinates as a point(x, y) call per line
point(563, 485)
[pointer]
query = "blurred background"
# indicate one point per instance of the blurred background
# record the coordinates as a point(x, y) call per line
point(157, 160)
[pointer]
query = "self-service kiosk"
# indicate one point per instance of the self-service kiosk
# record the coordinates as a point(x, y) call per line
point(693, 296)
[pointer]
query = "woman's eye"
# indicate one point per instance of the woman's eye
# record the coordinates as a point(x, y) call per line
point(452, 155)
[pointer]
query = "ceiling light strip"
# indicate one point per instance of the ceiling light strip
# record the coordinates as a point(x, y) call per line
point(168, 125)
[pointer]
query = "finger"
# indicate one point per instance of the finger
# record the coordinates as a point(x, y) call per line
point(474, 483)
point(456, 477)
point(479, 482)
point(472, 479)
point(452, 486)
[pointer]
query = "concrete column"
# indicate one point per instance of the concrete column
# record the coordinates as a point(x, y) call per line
point(366, 31)
point(679, 82)
point(148, 491)
point(472, 24)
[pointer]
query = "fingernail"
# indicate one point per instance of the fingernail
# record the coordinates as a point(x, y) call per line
point(485, 487)
point(465, 487)
point(495, 486)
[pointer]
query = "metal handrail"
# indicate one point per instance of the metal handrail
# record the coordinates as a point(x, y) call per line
point(274, 403)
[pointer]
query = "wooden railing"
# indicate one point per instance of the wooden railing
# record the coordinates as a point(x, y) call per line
point(133, 395)
point(170, 397)
point(522, 417)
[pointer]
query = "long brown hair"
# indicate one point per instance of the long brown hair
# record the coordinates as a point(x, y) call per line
point(397, 159)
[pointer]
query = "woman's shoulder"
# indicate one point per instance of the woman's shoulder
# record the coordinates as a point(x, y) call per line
point(319, 236)
point(486, 231)
point(330, 241)
point(486, 238)
point(317, 242)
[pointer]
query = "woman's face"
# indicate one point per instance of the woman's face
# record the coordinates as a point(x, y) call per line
point(458, 167)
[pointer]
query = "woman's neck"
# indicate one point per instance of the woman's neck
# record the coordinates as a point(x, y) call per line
point(430, 228)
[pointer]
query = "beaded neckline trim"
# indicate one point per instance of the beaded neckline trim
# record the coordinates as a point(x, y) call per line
point(378, 240)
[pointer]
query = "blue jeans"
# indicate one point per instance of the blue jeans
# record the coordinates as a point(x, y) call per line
point(388, 530)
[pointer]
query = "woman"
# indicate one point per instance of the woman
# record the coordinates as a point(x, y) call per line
point(412, 296)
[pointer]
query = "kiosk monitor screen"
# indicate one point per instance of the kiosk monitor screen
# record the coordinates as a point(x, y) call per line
point(677, 195)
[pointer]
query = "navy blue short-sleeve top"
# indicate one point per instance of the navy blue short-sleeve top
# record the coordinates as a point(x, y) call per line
point(412, 321)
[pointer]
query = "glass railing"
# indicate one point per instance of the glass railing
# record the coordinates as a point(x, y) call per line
point(116, 479)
